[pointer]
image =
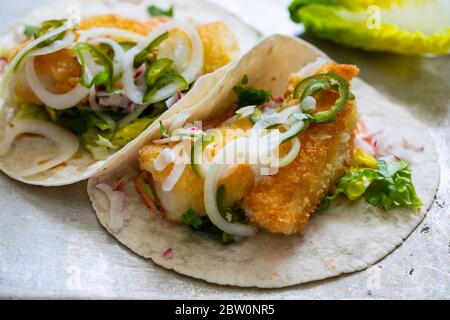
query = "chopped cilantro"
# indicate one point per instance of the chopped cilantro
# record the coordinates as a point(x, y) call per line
point(155, 11)
point(164, 132)
point(31, 31)
point(250, 96)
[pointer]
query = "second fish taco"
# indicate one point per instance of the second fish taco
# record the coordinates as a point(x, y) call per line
point(294, 170)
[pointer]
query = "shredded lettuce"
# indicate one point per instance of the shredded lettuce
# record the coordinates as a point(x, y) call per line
point(402, 26)
point(31, 111)
point(129, 132)
point(387, 187)
point(80, 121)
point(203, 224)
point(97, 144)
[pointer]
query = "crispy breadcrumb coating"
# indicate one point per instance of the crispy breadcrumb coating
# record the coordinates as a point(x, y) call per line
point(284, 203)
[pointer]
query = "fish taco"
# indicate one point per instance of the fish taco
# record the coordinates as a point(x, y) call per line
point(81, 82)
point(294, 170)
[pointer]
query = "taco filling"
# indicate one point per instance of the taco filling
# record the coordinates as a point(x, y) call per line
point(99, 84)
point(269, 163)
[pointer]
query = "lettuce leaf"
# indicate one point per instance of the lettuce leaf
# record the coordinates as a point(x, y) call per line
point(402, 26)
point(31, 111)
point(80, 121)
point(203, 224)
point(97, 144)
point(395, 189)
point(129, 132)
point(387, 187)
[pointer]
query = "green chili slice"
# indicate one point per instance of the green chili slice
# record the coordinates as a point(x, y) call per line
point(311, 85)
point(142, 56)
point(157, 69)
point(164, 81)
point(39, 32)
point(106, 77)
point(46, 26)
point(196, 152)
point(255, 116)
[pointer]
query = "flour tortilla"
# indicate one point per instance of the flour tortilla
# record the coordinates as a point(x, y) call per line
point(347, 237)
point(82, 165)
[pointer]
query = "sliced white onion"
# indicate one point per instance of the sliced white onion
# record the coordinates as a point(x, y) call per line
point(210, 199)
point(96, 108)
point(119, 53)
point(167, 140)
point(246, 111)
point(26, 51)
point(213, 175)
point(114, 32)
point(172, 100)
point(116, 199)
point(163, 159)
point(292, 154)
point(179, 121)
point(286, 113)
point(178, 49)
point(56, 101)
point(131, 117)
point(267, 122)
point(293, 130)
point(64, 43)
point(67, 142)
point(190, 74)
point(188, 132)
point(173, 177)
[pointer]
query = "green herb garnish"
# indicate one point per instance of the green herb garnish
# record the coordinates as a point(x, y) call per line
point(249, 96)
point(203, 224)
point(31, 31)
point(155, 11)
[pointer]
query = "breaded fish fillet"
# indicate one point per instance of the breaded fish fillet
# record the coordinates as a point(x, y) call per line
point(284, 202)
point(188, 192)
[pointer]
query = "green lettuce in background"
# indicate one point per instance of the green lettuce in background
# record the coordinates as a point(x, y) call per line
point(417, 27)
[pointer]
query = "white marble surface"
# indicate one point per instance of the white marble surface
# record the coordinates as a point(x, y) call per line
point(51, 244)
